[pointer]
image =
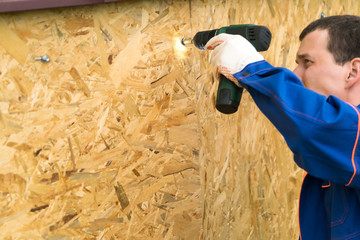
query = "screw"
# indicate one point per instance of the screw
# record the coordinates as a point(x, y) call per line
point(186, 41)
point(44, 59)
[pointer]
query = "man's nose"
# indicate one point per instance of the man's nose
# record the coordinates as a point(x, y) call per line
point(298, 72)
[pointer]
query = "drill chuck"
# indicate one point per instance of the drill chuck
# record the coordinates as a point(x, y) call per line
point(201, 38)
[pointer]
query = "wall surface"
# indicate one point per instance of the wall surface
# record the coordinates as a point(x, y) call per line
point(117, 136)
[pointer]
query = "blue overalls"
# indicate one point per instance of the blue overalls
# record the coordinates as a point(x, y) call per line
point(323, 134)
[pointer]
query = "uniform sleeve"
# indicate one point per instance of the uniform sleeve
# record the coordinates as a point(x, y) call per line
point(321, 132)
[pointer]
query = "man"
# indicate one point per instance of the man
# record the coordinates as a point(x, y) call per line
point(316, 109)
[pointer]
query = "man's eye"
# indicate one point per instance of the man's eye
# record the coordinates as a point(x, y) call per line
point(307, 63)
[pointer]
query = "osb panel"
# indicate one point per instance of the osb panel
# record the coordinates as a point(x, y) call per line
point(102, 141)
point(117, 136)
point(250, 183)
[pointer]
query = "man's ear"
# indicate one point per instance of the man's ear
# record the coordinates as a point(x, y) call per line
point(354, 73)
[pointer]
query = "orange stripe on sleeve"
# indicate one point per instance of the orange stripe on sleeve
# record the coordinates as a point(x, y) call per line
point(354, 148)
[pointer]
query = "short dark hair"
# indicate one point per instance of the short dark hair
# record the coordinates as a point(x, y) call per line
point(344, 36)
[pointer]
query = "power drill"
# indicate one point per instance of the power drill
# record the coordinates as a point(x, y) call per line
point(229, 94)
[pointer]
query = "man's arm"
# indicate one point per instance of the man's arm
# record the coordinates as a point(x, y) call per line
point(321, 132)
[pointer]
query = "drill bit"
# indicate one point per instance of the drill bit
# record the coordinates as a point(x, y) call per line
point(186, 41)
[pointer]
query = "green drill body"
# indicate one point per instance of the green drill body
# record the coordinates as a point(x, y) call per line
point(229, 94)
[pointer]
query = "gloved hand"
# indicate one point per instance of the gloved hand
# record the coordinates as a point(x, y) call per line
point(231, 54)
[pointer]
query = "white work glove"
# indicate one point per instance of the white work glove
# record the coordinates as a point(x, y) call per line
point(231, 54)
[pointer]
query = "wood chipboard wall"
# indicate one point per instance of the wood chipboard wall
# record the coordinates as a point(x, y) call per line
point(117, 136)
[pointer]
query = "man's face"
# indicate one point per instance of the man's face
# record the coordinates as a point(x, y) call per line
point(317, 68)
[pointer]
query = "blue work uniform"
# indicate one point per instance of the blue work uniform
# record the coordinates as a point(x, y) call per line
point(323, 134)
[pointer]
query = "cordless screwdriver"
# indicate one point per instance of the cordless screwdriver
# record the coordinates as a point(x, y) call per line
point(229, 94)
